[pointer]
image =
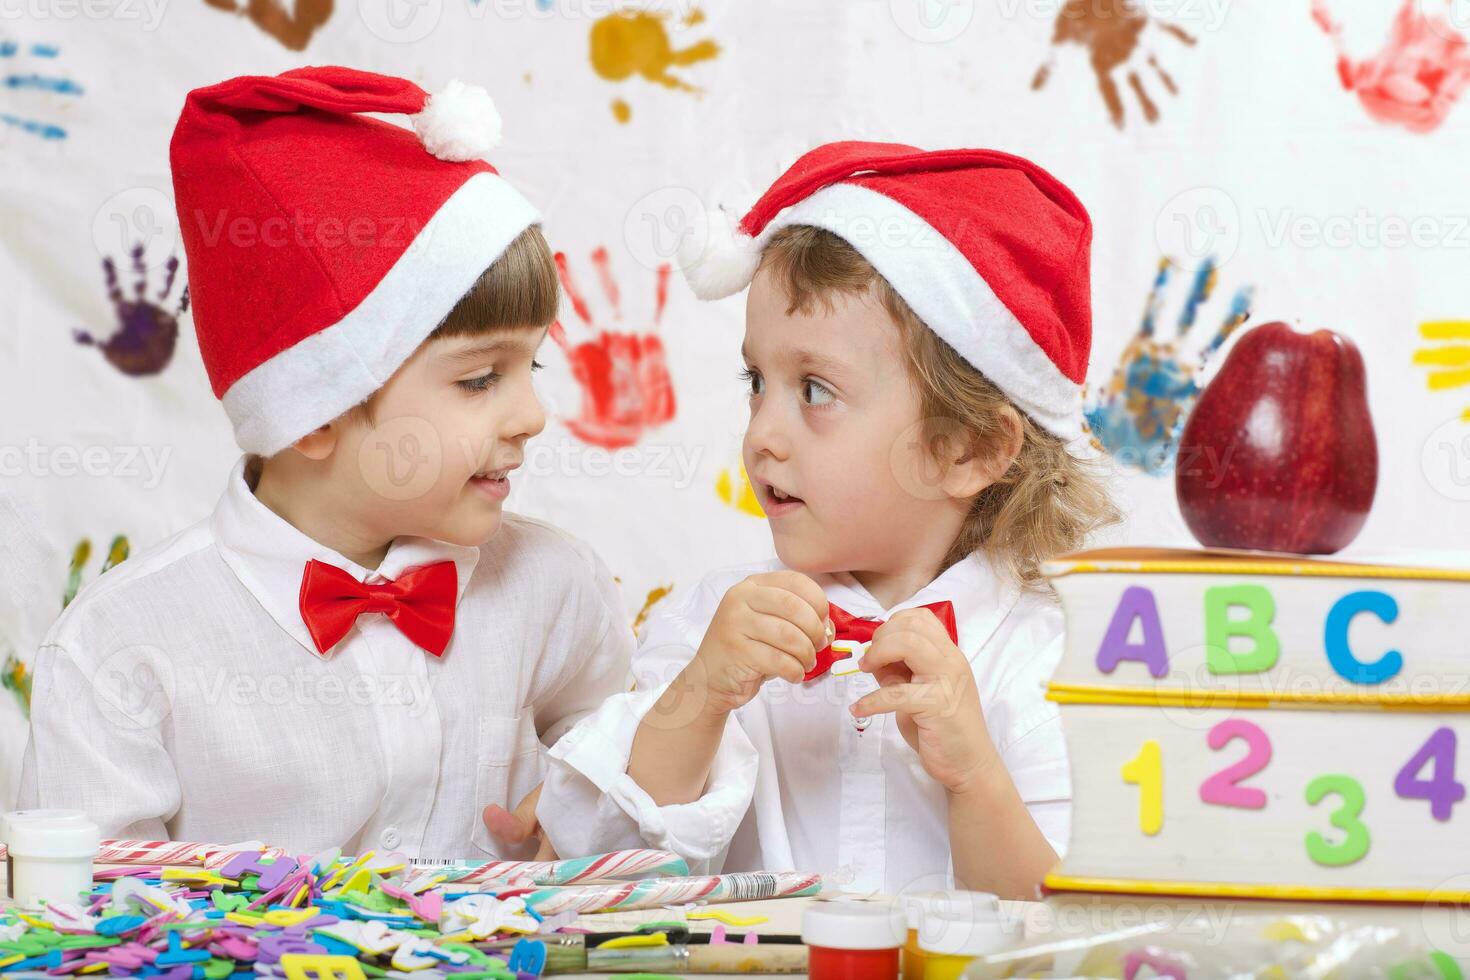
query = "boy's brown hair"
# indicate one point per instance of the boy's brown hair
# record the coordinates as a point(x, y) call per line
point(519, 289)
point(1045, 503)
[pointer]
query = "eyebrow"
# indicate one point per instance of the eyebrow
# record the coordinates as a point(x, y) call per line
point(500, 345)
point(807, 360)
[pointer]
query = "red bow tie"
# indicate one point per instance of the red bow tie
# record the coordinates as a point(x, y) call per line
point(420, 603)
point(850, 627)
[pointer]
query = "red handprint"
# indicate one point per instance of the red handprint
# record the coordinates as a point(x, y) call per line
point(626, 388)
point(1418, 76)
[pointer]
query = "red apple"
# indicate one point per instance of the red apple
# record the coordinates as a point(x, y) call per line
point(1279, 452)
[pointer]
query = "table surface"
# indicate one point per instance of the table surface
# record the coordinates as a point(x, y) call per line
point(1061, 916)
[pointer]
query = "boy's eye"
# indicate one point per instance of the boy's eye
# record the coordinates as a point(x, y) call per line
point(537, 365)
point(813, 392)
point(482, 383)
point(754, 380)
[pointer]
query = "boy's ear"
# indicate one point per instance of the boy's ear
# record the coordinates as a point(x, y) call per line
point(319, 443)
point(976, 470)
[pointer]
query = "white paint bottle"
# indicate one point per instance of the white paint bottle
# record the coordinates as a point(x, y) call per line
point(49, 855)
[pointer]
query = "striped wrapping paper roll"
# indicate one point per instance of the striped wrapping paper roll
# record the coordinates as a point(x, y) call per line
point(747, 886)
point(616, 866)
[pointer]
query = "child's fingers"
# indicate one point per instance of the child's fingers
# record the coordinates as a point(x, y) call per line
point(804, 588)
point(774, 662)
point(773, 601)
point(907, 698)
point(910, 648)
point(782, 635)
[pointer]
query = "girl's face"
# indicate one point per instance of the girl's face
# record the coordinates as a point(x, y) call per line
point(834, 448)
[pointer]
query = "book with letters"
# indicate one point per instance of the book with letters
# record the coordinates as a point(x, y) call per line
point(1250, 724)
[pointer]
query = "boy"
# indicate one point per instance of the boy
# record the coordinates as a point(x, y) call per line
point(916, 336)
point(357, 649)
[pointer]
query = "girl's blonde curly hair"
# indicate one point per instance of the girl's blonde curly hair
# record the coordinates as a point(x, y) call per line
point(1046, 503)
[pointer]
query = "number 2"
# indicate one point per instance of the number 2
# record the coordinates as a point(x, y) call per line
point(1223, 788)
point(1344, 818)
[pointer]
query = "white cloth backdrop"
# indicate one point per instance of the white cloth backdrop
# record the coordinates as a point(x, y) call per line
point(1259, 156)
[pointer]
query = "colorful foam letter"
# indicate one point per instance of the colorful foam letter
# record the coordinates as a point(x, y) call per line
point(1220, 627)
point(1380, 604)
point(1136, 605)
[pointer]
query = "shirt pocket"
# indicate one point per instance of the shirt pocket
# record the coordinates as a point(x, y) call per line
point(510, 761)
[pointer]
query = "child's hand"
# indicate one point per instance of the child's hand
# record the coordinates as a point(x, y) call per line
point(927, 683)
point(768, 625)
point(520, 825)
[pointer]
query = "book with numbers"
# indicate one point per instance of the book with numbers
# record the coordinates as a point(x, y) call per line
point(1244, 724)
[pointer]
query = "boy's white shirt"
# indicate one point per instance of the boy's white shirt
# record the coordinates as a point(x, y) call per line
point(794, 785)
point(243, 731)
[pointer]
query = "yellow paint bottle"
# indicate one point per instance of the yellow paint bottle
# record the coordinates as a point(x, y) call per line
point(943, 905)
point(950, 944)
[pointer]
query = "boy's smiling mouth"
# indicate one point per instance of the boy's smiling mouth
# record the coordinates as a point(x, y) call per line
point(493, 483)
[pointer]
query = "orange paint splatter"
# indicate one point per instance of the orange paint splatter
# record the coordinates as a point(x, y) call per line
point(629, 43)
point(1418, 76)
point(655, 596)
point(624, 377)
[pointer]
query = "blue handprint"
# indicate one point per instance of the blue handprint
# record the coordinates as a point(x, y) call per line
point(1138, 415)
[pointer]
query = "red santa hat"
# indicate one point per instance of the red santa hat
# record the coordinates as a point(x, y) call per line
point(324, 246)
point(987, 248)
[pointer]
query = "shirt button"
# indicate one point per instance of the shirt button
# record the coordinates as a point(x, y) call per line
point(391, 837)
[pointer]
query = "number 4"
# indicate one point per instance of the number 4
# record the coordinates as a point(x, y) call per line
point(1441, 789)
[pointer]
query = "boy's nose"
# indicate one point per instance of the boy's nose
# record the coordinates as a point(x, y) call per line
point(528, 418)
point(764, 434)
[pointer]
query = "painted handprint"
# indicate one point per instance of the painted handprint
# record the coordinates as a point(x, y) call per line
point(1138, 415)
point(117, 553)
point(15, 673)
point(627, 43)
point(28, 69)
point(626, 388)
point(292, 27)
point(1112, 31)
point(1420, 73)
point(1447, 356)
point(146, 333)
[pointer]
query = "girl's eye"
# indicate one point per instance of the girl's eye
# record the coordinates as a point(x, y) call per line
point(483, 383)
point(754, 380)
point(815, 393)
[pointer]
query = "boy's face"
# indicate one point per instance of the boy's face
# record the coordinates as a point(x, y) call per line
point(447, 430)
point(834, 448)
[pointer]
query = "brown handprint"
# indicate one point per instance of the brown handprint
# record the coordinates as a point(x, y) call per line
point(146, 333)
point(1111, 31)
point(293, 29)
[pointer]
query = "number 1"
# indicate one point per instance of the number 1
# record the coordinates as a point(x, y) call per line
point(1146, 771)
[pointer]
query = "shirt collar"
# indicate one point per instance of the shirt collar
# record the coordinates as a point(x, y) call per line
point(982, 595)
point(268, 555)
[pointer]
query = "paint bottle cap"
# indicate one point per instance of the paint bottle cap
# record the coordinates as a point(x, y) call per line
point(980, 934)
point(50, 834)
point(853, 925)
point(953, 904)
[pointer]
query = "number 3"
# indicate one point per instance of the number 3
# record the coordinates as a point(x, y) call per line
point(1344, 818)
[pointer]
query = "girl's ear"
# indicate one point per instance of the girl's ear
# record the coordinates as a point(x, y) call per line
point(319, 443)
point(975, 469)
